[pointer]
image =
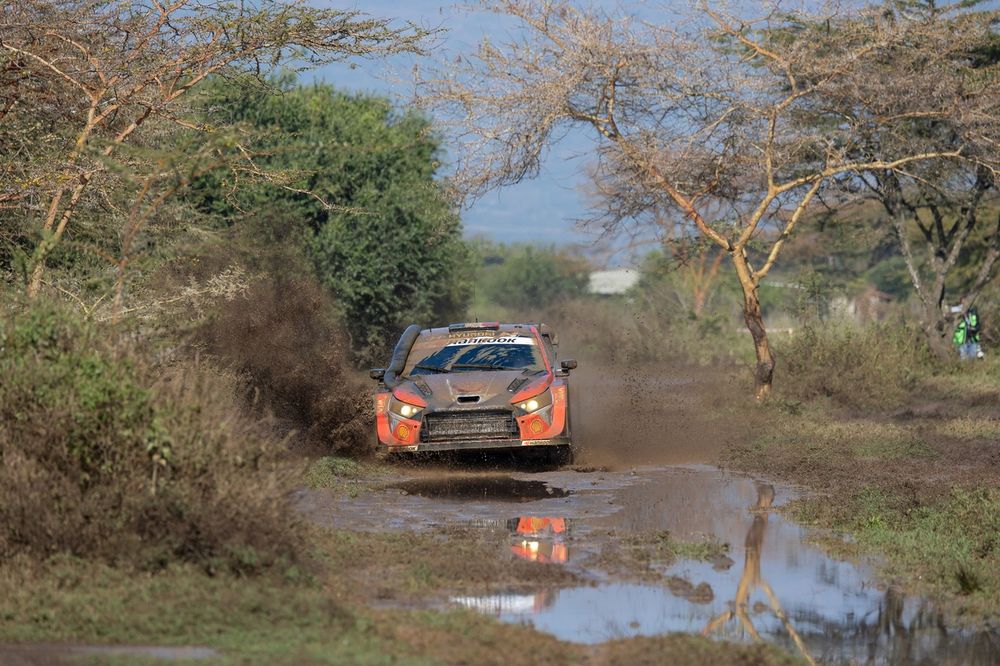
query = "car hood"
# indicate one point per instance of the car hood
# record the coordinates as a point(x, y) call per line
point(490, 386)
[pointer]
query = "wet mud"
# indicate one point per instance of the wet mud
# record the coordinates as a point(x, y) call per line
point(493, 488)
point(772, 585)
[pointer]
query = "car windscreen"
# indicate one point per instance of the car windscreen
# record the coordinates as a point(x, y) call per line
point(440, 353)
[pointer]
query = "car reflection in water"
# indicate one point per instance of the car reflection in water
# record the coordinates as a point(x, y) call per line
point(541, 539)
point(536, 539)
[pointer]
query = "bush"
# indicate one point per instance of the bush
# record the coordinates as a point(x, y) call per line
point(526, 277)
point(875, 366)
point(104, 456)
point(391, 249)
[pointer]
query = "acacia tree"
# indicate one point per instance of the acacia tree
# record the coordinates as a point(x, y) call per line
point(700, 116)
point(941, 205)
point(102, 70)
point(946, 211)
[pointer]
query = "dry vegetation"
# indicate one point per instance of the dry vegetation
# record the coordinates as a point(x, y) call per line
point(107, 456)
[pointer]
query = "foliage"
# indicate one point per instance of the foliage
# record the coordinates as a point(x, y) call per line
point(862, 367)
point(680, 280)
point(937, 210)
point(105, 456)
point(381, 234)
point(640, 331)
point(107, 79)
point(528, 279)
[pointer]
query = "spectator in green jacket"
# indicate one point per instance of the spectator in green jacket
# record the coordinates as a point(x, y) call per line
point(967, 334)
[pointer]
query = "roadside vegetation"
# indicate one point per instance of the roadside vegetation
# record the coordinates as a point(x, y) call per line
point(898, 455)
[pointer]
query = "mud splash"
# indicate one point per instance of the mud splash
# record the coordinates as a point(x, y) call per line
point(774, 585)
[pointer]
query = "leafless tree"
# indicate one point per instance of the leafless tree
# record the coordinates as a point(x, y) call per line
point(99, 71)
point(713, 116)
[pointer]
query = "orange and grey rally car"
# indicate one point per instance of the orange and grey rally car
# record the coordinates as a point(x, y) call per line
point(474, 386)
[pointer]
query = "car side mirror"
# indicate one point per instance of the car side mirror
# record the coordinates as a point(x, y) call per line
point(568, 364)
point(378, 374)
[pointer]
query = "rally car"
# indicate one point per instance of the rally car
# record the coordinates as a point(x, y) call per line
point(475, 386)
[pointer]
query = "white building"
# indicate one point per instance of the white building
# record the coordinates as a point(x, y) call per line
point(612, 282)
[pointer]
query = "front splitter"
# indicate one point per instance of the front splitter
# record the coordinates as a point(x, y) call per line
point(476, 445)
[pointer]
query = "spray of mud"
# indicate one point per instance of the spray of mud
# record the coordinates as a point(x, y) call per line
point(283, 344)
point(625, 416)
point(628, 412)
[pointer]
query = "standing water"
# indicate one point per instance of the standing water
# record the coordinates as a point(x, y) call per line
point(774, 585)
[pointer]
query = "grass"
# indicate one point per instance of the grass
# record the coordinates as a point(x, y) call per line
point(863, 440)
point(918, 490)
point(644, 555)
point(312, 620)
point(662, 547)
point(336, 473)
point(975, 378)
point(969, 428)
point(324, 617)
point(950, 548)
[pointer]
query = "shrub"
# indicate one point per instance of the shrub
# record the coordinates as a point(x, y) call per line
point(859, 367)
point(104, 456)
point(636, 331)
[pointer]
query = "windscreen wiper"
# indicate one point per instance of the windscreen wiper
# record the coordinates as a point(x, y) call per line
point(432, 368)
point(478, 366)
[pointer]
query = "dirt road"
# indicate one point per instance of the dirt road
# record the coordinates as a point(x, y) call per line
point(656, 539)
point(659, 549)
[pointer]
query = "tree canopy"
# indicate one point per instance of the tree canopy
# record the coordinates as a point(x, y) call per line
point(98, 83)
point(718, 119)
point(358, 177)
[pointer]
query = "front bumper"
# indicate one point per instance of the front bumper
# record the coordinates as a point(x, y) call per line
point(476, 445)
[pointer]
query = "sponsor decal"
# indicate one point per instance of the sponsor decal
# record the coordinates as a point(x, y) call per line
point(473, 334)
point(507, 340)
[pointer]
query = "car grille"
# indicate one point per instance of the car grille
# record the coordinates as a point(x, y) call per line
point(445, 426)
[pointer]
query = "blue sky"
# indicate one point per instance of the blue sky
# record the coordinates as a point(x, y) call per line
point(543, 210)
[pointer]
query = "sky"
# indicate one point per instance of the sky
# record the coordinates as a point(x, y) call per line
point(543, 210)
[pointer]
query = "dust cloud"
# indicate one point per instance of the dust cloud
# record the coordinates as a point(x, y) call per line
point(648, 415)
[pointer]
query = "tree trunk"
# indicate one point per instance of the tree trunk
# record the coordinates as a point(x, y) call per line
point(937, 330)
point(764, 372)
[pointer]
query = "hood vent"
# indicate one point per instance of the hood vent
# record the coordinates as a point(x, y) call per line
point(468, 399)
point(517, 383)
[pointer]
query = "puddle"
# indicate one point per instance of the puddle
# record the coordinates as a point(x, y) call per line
point(491, 488)
point(773, 586)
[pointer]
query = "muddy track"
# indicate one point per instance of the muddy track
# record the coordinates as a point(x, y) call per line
point(655, 539)
point(609, 529)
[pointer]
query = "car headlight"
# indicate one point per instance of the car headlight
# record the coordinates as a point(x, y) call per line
point(399, 408)
point(534, 404)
